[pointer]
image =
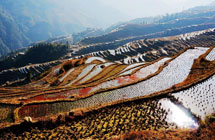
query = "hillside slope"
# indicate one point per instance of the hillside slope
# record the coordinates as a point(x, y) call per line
point(131, 30)
point(145, 51)
point(95, 98)
point(28, 21)
point(11, 37)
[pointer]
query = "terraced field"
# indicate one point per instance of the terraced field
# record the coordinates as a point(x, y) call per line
point(200, 98)
point(145, 50)
point(115, 120)
point(152, 49)
point(21, 75)
point(211, 55)
point(141, 89)
point(92, 97)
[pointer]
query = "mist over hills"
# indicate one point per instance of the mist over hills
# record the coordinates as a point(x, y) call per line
point(92, 40)
point(142, 26)
point(26, 21)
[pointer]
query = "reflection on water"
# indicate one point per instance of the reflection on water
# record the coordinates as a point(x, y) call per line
point(178, 115)
point(199, 98)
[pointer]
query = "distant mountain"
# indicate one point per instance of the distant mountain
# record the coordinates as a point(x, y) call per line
point(132, 30)
point(142, 26)
point(74, 38)
point(196, 12)
point(26, 21)
point(51, 21)
point(11, 37)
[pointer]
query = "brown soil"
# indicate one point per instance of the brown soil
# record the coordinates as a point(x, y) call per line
point(201, 69)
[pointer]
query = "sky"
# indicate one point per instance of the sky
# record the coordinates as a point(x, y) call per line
point(145, 8)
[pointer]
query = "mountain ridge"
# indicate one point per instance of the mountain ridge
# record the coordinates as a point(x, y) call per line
point(35, 21)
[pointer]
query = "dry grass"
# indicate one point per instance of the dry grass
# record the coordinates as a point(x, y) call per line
point(205, 132)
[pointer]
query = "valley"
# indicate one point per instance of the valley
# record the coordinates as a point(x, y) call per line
point(147, 78)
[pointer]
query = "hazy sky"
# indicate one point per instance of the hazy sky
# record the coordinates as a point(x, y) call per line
point(143, 8)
